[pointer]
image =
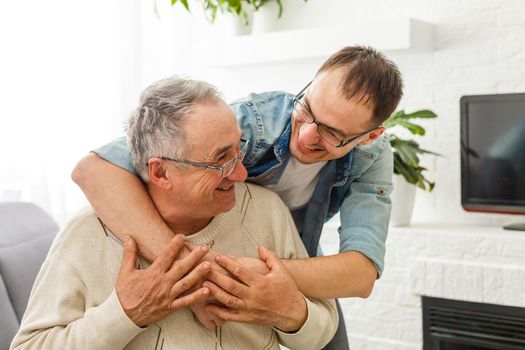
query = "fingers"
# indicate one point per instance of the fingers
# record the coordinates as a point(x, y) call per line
point(129, 256)
point(196, 297)
point(224, 297)
point(192, 246)
point(208, 322)
point(167, 257)
point(226, 314)
point(184, 265)
point(228, 284)
point(263, 252)
point(272, 260)
point(184, 284)
point(241, 273)
point(208, 319)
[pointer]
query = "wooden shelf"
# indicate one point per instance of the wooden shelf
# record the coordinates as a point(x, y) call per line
point(392, 35)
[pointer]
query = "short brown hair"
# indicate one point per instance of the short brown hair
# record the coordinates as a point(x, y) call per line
point(370, 76)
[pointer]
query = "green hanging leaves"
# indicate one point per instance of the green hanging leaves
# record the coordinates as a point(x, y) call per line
point(237, 7)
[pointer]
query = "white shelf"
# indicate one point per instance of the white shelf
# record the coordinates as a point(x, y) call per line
point(392, 35)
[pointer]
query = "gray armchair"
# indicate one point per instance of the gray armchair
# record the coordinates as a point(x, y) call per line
point(26, 233)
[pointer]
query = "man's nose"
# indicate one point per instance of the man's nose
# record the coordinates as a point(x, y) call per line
point(239, 173)
point(308, 134)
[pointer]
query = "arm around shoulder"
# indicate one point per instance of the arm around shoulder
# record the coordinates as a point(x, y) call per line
point(122, 203)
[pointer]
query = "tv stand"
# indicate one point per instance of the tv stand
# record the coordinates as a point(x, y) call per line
point(515, 227)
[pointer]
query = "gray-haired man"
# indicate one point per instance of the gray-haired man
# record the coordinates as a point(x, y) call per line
point(187, 147)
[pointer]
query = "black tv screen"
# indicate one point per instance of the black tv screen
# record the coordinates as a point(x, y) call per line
point(493, 153)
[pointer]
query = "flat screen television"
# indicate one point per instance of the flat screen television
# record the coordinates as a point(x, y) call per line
point(493, 154)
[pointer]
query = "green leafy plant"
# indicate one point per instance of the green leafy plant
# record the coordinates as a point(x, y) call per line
point(236, 7)
point(406, 159)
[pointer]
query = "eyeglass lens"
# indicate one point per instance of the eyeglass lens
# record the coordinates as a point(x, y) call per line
point(323, 131)
point(229, 166)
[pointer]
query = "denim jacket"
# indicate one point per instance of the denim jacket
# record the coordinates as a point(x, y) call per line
point(357, 185)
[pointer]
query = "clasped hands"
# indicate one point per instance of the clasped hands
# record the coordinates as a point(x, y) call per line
point(217, 287)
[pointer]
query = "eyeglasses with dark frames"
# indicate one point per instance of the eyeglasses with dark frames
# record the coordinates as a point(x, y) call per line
point(226, 169)
point(324, 131)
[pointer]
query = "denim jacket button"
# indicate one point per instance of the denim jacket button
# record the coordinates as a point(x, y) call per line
point(381, 191)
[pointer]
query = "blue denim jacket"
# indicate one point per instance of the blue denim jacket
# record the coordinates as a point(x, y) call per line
point(357, 185)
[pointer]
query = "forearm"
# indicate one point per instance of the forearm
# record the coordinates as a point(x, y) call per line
point(123, 204)
point(344, 275)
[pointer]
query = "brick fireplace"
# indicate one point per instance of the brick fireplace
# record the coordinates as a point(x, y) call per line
point(461, 325)
point(479, 264)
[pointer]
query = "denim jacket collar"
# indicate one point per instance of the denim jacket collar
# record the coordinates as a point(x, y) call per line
point(282, 154)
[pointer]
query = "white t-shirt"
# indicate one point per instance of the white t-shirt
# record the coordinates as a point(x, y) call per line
point(297, 183)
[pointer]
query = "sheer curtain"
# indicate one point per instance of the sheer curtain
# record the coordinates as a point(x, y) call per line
point(59, 95)
point(70, 73)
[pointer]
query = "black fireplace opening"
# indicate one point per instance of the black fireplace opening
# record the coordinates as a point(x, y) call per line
point(459, 325)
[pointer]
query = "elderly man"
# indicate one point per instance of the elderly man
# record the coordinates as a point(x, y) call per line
point(187, 147)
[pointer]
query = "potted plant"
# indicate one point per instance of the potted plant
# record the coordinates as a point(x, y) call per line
point(241, 8)
point(408, 171)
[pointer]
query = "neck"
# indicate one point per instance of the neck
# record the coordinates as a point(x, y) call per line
point(177, 225)
point(178, 220)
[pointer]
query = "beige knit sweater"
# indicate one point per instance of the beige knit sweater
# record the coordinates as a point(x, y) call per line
point(73, 304)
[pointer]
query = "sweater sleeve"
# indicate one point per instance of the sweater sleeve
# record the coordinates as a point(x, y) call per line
point(57, 317)
point(319, 328)
point(322, 320)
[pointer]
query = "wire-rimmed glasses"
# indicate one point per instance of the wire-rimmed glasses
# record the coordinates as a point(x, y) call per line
point(324, 131)
point(226, 169)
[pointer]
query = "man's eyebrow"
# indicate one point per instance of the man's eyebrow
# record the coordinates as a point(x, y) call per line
point(338, 131)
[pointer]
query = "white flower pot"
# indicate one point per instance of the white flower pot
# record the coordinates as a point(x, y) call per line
point(403, 197)
point(228, 24)
point(266, 18)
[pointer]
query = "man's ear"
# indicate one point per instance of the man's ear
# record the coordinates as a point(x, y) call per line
point(158, 173)
point(373, 135)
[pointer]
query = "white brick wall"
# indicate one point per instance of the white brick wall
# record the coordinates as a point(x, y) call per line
point(480, 48)
point(471, 263)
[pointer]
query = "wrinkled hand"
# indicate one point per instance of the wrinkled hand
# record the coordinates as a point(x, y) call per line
point(153, 293)
point(209, 257)
point(271, 299)
point(208, 319)
point(205, 317)
point(254, 264)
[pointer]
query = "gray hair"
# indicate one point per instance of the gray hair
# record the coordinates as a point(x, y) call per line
point(155, 128)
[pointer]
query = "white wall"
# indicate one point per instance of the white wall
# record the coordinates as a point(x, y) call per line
point(58, 96)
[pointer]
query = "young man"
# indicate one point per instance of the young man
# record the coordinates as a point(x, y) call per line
point(323, 151)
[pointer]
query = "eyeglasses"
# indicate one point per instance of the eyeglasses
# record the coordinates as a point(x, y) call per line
point(226, 169)
point(324, 131)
